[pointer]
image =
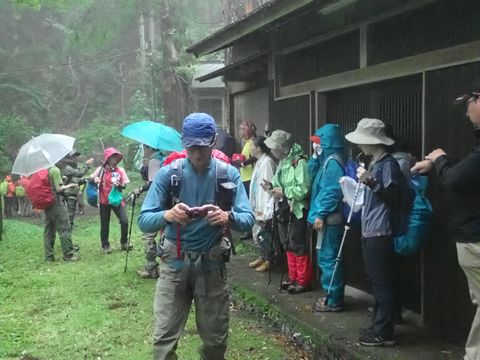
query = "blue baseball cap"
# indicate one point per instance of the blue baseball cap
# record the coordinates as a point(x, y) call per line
point(199, 129)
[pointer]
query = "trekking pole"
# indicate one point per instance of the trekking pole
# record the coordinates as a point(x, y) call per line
point(272, 246)
point(348, 225)
point(282, 274)
point(130, 232)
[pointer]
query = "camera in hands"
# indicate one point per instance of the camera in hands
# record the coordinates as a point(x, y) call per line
point(199, 211)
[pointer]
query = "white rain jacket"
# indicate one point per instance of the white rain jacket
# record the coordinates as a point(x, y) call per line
point(264, 169)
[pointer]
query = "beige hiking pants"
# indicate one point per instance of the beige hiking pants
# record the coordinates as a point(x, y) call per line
point(469, 260)
point(173, 299)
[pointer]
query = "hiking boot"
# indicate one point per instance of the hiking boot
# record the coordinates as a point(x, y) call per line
point(71, 258)
point(364, 331)
point(126, 247)
point(107, 250)
point(147, 274)
point(320, 306)
point(286, 284)
point(264, 267)
point(50, 260)
point(256, 263)
point(368, 338)
point(298, 289)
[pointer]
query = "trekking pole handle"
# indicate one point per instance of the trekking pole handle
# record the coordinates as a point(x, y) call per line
point(350, 213)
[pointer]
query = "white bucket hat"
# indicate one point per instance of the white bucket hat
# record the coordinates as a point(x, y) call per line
point(369, 132)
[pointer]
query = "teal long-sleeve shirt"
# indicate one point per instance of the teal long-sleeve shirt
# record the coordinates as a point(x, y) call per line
point(196, 190)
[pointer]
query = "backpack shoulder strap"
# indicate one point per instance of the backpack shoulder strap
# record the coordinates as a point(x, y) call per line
point(50, 182)
point(296, 160)
point(221, 171)
point(176, 181)
point(333, 157)
point(225, 188)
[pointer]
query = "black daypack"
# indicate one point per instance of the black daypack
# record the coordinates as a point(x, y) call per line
point(224, 189)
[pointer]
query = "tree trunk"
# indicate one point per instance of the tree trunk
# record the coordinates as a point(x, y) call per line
point(141, 31)
point(176, 96)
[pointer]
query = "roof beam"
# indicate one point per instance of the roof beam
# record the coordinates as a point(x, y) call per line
point(231, 67)
point(264, 15)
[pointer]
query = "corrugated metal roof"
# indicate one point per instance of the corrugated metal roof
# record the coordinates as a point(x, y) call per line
point(206, 68)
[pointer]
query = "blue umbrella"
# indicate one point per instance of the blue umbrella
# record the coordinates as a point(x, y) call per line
point(155, 135)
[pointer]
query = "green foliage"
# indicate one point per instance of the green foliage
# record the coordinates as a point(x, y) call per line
point(101, 130)
point(60, 64)
point(14, 132)
point(139, 107)
point(92, 309)
point(186, 71)
point(38, 4)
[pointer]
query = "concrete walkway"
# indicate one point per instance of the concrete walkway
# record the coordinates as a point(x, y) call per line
point(413, 342)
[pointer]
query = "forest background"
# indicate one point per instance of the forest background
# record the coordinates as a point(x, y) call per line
point(86, 68)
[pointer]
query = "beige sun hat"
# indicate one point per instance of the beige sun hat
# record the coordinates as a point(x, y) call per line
point(369, 132)
point(279, 139)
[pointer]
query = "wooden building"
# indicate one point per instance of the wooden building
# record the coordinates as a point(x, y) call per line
point(296, 64)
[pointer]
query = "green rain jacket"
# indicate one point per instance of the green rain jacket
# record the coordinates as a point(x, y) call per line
point(72, 174)
point(292, 176)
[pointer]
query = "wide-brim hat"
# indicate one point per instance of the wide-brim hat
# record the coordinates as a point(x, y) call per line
point(369, 132)
point(279, 139)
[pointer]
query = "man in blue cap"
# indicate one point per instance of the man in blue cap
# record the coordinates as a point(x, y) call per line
point(195, 200)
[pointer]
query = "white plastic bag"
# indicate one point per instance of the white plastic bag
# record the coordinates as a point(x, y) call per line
point(348, 186)
point(268, 210)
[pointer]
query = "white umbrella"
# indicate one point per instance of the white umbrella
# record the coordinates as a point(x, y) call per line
point(42, 152)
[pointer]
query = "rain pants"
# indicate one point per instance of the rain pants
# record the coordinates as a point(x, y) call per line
point(292, 176)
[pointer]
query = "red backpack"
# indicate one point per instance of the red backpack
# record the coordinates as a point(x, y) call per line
point(39, 190)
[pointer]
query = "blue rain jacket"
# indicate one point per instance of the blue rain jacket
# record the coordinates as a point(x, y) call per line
point(326, 195)
point(196, 190)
